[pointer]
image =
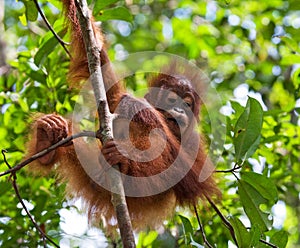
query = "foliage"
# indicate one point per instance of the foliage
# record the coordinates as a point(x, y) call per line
point(250, 50)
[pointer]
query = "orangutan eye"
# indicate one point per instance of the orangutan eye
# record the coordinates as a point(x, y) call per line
point(171, 98)
point(187, 105)
point(188, 102)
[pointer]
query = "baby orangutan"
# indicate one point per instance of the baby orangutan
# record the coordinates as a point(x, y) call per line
point(162, 159)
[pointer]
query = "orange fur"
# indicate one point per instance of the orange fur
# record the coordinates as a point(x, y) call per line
point(144, 211)
point(79, 70)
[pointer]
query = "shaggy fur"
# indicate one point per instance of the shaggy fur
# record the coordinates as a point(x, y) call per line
point(149, 211)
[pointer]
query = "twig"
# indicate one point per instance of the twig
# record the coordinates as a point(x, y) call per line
point(93, 49)
point(202, 229)
point(268, 243)
point(4, 158)
point(63, 43)
point(16, 189)
point(47, 150)
point(223, 218)
point(234, 169)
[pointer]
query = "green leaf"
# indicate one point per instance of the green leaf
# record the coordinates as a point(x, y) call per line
point(165, 239)
point(296, 78)
point(279, 239)
point(291, 43)
point(23, 105)
point(187, 226)
point(255, 235)
point(274, 138)
point(40, 204)
point(23, 20)
point(31, 11)
point(237, 107)
point(149, 238)
point(3, 133)
point(274, 112)
point(241, 233)
point(117, 13)
point(253, 147)
point(47, 48)
point(290, 59)
point(5, 186)
point(251, 199)
point(100, 5)
point(247, 130)
point(37, 76)
point(244, 237)
point(19, 127)
point(265, 186)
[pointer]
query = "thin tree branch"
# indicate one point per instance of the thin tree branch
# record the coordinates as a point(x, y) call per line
point(223, 218)
point(268, 243)
point(4, 158)
point(16, 189)
point(201, 228)
point(45, 151)
point(93, 49)
point(234, 169)
point(63, 43)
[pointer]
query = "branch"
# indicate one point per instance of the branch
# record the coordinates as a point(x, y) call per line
point(223, 218)
point(268, 243)
point(232, 170)
point(15, 186)
point(45, 151)
point(105, 131)
point(63, 43)
point(202, 229)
